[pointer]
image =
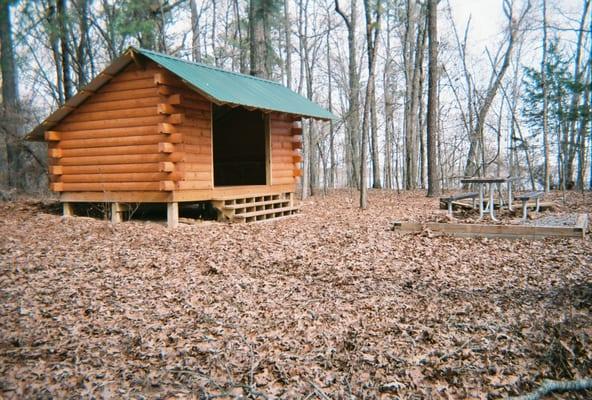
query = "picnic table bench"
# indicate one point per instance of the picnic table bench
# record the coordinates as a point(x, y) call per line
point(458, 196)
point(524, 199)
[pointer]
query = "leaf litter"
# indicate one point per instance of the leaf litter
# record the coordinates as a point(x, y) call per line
point(330, 304)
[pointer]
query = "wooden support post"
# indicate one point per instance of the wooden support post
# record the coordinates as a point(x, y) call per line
point(68, 209)
point(117, 210)
point(172, 214)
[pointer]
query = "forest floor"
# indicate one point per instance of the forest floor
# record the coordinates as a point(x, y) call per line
point(327, 304)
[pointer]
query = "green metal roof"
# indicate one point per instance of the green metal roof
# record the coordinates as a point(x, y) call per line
point(225, 87)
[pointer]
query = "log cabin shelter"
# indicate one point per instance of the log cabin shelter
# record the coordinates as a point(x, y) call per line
point(152, 128)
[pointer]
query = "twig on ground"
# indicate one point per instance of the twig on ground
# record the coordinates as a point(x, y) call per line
point(550, 386)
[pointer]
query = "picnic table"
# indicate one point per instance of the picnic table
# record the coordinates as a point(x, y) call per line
point(491, 181)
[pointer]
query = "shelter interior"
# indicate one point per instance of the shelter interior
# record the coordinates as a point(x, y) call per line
point(240, 141)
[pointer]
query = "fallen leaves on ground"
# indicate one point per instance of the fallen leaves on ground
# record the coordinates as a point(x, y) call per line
point(327, 304)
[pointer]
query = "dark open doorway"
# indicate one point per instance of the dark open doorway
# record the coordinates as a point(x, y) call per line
point(239, 139)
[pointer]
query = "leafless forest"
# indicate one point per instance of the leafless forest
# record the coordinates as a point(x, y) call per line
point(333, 303)
point(419, 99)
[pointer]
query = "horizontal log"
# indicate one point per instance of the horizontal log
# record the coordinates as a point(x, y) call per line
point(283, 151)
point(296, 145)
point(112, 150)
point(166, 128)
point(279, 166)
point(282, 173)
point(166, 147)
point(134, 75)
point(195, 167)
point(198, 123)
point(187, 185)
point(113, 123)
point(195, 132)
point(165, 109)
point(111, 105)
point(297, 158)
point(163, 78)
point(197, 158)
point(123, 177)
point(197, 140)
point(107, 168)
point(182, 89)
point(282, 181)
point(175, 99)
point(198, 114)
point(285, 142)
point(54, 153)
point(109, 133)
point(296, 130)
point(194, 104)
point(122, 159)
point(168, 186)
point(130, 196)
point(127, 85)
point(194, 149)
point(119, 141)
point(281, 158)
point(122, 95)
point(108, 186)
point(198, 176)
point(52, 136)
point(297, 172)
point(56, 170)
point(166, 166)
point(175, 119)
point(80, 116)
point(281, 124)
point(280, 132)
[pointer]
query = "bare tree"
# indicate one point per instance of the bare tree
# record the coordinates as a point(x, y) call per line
point(353, 121)
point(476, 147)
point(432, 137)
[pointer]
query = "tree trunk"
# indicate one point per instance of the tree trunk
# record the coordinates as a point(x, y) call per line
point(433, 179)
point(257, 37)
point(195, 32)
point(10, 97)
point(546, 146)
point(82, 50)
point(62, 19)
point(575, 99)
point(410, 116)
point(477, 135)
point(288, 40)
point(353, 121)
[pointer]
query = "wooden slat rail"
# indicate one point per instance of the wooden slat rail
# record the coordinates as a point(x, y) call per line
point(458, 196)
point(497, 231)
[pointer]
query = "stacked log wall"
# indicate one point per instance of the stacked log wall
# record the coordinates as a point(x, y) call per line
point(113, 140)
point(286, 142)
point(195, 131)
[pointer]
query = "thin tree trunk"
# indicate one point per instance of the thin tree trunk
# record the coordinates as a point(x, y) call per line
point(410, 115)
point(257, 38)
point(433, 179)
point(10, 98)
point(546, 146)
point(353, 129)
point(61, 10)
point(288, 40)
point(195, 32)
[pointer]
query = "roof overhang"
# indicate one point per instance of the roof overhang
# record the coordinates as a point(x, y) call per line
point(134, 55)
